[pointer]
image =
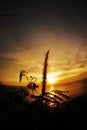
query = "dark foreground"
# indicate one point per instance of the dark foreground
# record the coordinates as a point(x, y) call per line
point(20, 114)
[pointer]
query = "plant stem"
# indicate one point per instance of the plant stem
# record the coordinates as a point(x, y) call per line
point(45, 73)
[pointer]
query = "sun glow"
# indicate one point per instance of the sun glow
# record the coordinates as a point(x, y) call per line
point(51, 79)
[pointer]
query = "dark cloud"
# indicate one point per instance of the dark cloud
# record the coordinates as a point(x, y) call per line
point(7, 42)
point(11, 40)
point(17, 15)
point(67, 12)
point(6, 62)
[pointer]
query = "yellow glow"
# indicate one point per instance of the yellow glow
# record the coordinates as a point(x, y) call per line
point(51, 88)
point(51, 78)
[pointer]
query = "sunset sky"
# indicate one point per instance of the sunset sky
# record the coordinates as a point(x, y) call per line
point(29, 29)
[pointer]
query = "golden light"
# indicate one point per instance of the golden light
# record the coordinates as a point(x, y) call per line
point(51, 78)
point(51, 88)
point(51, 104)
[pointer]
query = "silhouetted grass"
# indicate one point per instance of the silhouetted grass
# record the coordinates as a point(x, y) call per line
point(15, 111)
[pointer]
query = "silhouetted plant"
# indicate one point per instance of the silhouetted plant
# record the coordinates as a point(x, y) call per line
point(54, 97)
point(31, 84)
point(23, 73)
point(45, 73)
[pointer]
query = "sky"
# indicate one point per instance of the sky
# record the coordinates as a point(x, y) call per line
point(29, 29)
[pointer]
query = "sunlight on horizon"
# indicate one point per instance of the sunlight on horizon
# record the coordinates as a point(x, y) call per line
point(53, 77)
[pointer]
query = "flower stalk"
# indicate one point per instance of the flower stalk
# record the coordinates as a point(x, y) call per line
point(45, 73)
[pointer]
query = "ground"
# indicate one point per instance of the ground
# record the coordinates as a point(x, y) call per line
point(21, 114)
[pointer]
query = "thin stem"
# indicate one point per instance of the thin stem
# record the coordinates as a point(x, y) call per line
point(45, 73)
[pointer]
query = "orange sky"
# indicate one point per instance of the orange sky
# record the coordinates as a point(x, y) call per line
point(62, 62)
point(65, 60)
point(26, 36)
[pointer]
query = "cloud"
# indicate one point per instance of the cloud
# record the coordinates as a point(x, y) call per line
point(6, 61)
point(11, 41)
